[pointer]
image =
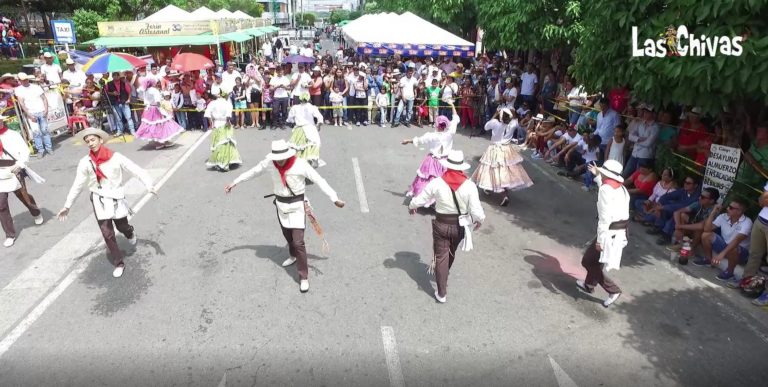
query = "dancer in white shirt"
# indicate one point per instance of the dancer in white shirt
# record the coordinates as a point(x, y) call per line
point(305, 137)
point(458, 209)
point(500, 169)
point(101, 172)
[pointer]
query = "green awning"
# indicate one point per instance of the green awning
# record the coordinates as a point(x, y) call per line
point(237, 36)
point(270, 29)
point(155, 41)
point(255, 32)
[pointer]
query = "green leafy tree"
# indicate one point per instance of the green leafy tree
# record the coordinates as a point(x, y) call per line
point(458, 16)
point(86, 24)
point(526, 24)
point(250, 7)
point(306, 19)
point(338, 15)
point(604, 58)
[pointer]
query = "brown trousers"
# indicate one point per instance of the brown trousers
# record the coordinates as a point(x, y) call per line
point(5, 212)
point(446, 236)
point(595, 275)
point(297, 248)
point(107, 227)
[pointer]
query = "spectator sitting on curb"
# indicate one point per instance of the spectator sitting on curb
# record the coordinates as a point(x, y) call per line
point(664, 186)
point(671, 202)
point(726, 235)
point(758, 243)
point(689, 221)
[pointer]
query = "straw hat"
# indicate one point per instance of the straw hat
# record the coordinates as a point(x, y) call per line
point(93, 132)
point(6, 76)
point(612, 169)
point(280, 151)
point(23, 76)
point(455, 160)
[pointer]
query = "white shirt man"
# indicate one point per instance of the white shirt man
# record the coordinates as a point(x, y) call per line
point(528, 83)
point(76, 78)
point(31, 97)
point(301, 81)
point(280, 80)
point(645, 135)
point(52, 72)
point(228, 79)
point(408, 86)
point(307, 51)
point(266, 49)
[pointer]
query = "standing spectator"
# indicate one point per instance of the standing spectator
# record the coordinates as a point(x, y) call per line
point(279, 84)
point(493, 96)
point(228, 78)
point(727, 236)
point(300, 82)
point(177, 102)
point(359, 99)
point(241, 103)
point(316, 87)
point(577, 98)
point(51, 71)
point(607, 120)
point(617, 146)
point(691, 133)
point(407, 85)
point(644, 139)
point(34, 105)
point(450, 91)
point(75, 77)
point(548, 94)
point(118, 92)
point(528, 87)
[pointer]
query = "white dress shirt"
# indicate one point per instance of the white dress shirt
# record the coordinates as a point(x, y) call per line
point(648, 132)
point(109, 194)
point(291, 215)
point(15, 145)
point(501, 133)
point(218, 111)
point(466, 195)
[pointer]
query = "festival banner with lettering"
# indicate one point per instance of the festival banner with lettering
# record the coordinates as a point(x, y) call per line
point(722, 166)
point(418, 50)
point(149, 29)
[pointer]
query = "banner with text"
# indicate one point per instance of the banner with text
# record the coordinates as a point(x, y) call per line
point(722, 165)
point(176, 28)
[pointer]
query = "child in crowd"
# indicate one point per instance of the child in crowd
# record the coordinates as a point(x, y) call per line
point(336, 101)
point(200, 106)
point(590, 153)
point(240, 103)
point(381, 102)
point(266, 101)
point(433, 98)
point(166, 106)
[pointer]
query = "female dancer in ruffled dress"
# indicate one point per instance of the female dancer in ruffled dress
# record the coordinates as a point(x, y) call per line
point(156, 126)
point(305, 136)
point(500, 169)
point(224, 154)
point(439, 143)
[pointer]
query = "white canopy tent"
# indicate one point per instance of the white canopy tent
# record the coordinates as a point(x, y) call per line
point(169, 13)
point(241, 15)
point(372, 34)
point(225, 14)
point(203, 13)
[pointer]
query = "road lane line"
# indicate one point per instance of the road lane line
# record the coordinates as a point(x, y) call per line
point(563, 380)
point(36, 280)
point(393, 360)
point(223, 382)
point(360, 187)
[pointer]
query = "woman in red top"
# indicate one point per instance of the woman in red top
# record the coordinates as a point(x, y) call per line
point(640, 184)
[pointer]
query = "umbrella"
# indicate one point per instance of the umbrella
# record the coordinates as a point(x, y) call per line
point(111, 62)
point(190, 61)
point(298, 59)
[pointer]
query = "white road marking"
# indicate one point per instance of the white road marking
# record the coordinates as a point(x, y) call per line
point(393, 360)
point(554, 178)
point(563, 380)
point(360, 187)
point(710, 284)
point(223, 382)
point(25, 290)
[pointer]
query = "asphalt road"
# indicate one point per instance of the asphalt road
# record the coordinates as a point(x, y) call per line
point(204, 300)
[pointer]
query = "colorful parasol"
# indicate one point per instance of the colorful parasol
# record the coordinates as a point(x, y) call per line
point(190, 61)
point(111, 62)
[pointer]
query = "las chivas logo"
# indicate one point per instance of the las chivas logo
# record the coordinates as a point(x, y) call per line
point(680, 42)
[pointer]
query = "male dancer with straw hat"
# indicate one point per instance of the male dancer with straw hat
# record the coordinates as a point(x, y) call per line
point(101, 171)
point(14, 155)
point(612, 219)
point(289, 174)
point(458, 208)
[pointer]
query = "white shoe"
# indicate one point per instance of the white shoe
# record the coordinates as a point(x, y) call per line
point(611, 299)
point(118, 272)
point(439, 299)
point(304, 286)
point(288, 262)
point(9, 242)
point(39, 220)
point(133, 241)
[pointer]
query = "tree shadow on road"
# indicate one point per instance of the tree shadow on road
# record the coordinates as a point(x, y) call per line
point(694, 338)
point(277, 255)
point(410, 263)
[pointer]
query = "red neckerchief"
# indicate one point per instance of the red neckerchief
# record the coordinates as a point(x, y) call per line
point(284, 168)
point(454, 178)
point(3, 129)
point(101, 156)
point(612, 183)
